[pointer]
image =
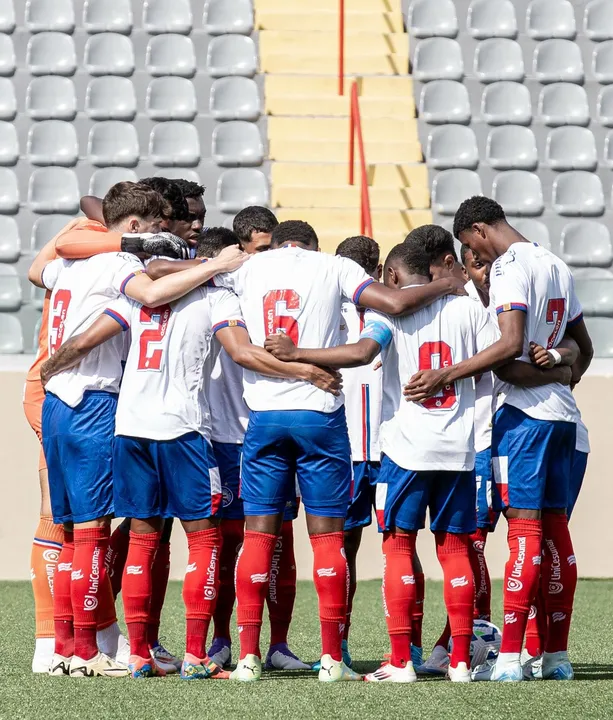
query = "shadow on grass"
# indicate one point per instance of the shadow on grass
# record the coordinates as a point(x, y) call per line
point(593, 671)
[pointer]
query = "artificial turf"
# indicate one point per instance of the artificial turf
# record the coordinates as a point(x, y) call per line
point(300, 695)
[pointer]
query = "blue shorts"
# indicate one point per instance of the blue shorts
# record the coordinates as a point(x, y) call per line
point(403, 496)
point(576, 479)
point(365, 476)
point(166, 478)
point(532, 459)
point(282, 445)
point(489, 503)
point(78, 445)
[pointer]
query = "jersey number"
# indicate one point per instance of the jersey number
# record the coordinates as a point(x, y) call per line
point(555, 315)
point(60, 308)
point(275, 321)
point(148, 358)
point(432, 356)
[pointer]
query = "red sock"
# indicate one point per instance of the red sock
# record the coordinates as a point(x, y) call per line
point(252, 575)
point(417, 619)
point(399, 592)
point(521, 579)
point(62, 603)
point(159, 579)
point(536, 629)
point(116, 555)
point(136, 586)
point(282, 585)
point(232, 533)
point(458, 590)
point(483, 584)
point(331, 583)
point(558, 580)
point(200, 587)
point(88, 577)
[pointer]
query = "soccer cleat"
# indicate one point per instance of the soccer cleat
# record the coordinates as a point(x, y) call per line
point(336, 671)
point(316, 667)
point(194, 668)
point(496, 671)
point(532, 666)
point(248, 669)
point(100, 665)
point(280, 657)
point(140, 667)
point(165, 660)
point(60, 665)
point(417, 656)
point(390, 673)
point(436, 664)
point(459, 674)
point(556, 666)
point(220, 651)
point(43, 655)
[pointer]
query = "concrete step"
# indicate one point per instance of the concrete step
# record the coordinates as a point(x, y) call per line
point(390, 221)
point(325, 43)
point(325, 106)
point(351, 6)
point(329, 240)
point(307, 20)
point(337, 151)
point(337, 129)
point(336, 174)
point(349, 196)
point(360, 64)
point(374, 86)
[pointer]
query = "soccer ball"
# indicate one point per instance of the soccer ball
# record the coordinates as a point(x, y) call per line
point(485, 643)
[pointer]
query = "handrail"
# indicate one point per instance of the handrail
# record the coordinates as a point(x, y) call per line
point(355, 127)
point(341, 47)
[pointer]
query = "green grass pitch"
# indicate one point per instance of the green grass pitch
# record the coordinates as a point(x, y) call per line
point(299, 695)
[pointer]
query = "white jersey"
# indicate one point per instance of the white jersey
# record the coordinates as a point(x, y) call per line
point(82, 289)
point(162, 394)
point(298, 292)
point(531, 279)
point(582, 443)
point(229, 413)
point(439, 433)
point(363, 392)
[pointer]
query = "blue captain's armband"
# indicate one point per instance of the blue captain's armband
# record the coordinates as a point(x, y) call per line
point(377, 331)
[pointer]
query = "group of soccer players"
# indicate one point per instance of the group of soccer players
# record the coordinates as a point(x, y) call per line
point(188, 374)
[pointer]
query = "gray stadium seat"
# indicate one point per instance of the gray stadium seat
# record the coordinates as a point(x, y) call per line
point(7, 16)
point(53, 142)
point(608, 149)
point(10, 243)
point(51, 53)
point(519, 192)
point(505, 103)
point(113, 143)
point(601, 332)
point(586, 243)
point(38, 297)
point(43, 15)
point(8, 99)
point(602, 62)
point(571, 148)
point(11, 335)
point(557, 61)
point(498, 59)
point(452, 146)
point(45, 228)
point(7, 56)
point(598, 20)
point(235, 98)
point(604, 106)
point(9, 192)
point(438, 59)
point(109, 54)
point(451, 187)
point(444, 101)
point(550, 19)
point(51, 98)
point(511, 147)
point(533, 230)
point(491, 18)
point(595, 296)
point(222, 17)
point(104, 178)
point(171, 55)
point(53, 190)
point(563, 104)
point(100, 16)
point(171, 98)
point(9, 145)
point(237, 143)
point(237, 189)
point(232, 55)
point(578, 193)
point(179, 174)
point(167, 16)
point(174, 144)
point(10, 289)
point(110, 98)
point(432, 19)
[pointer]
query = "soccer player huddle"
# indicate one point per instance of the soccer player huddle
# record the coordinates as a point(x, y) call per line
point(188, 375)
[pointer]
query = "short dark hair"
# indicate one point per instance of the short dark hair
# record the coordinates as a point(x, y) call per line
point(170, 191)
point(296, 231)
point(129, 198)
point(434, 239)
point(361, 249)
point(464, 250)
point(413, 257)
point(477, 209)
point(189, 189)
point(213, 240)
point(254, 218)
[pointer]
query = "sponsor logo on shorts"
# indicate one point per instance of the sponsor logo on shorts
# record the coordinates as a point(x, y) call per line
point(191, 568)
point(134, 570)
point(558, 616)
point(76, 575)
point(259, 578)
point(555, 588)
point(408, 579)
point(459, 582)
point(326, 572)
point(510, 618)
point(90, 603)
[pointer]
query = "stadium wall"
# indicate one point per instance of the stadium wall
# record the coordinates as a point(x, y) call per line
point(591, 524)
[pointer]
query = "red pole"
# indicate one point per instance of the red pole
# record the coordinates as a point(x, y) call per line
point(364, 196)
point(341, 47)
point(352, 114)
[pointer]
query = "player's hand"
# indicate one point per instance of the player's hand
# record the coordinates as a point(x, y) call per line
point(282, 347)
point(424, 384)
point(540, 357)
point(456, 286)
point(231, 258)
point(326, 379)
point(164, 244)
point(378, 365)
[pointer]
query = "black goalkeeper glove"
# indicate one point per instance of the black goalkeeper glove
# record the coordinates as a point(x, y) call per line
point(163, 243)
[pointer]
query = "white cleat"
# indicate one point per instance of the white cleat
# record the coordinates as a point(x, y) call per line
point(556, 666)
point(43, 655)
point(280, 657)
point(100, 665)
point(532, 666)
point(459, 674)
point(497, 671)
point(390, 673)
point(336, 671)
point(436, 664)
point(165, 660)
point(249, 669)
point(60, 665)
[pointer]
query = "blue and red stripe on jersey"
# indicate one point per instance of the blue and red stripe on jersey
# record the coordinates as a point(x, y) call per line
point(360, 289)
point(366, 432)
point(122, 287)
point(575, 320)
point(228, 323)
point(118, 318)
point(511, 306)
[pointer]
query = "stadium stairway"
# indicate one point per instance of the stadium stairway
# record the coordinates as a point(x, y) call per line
point(308, 122)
